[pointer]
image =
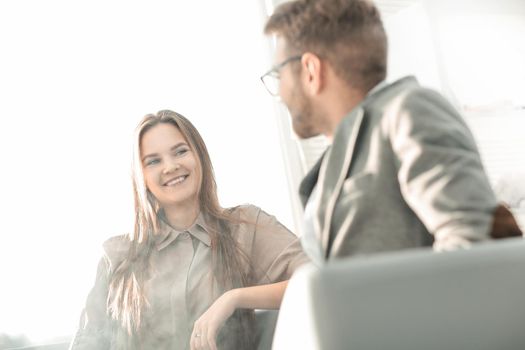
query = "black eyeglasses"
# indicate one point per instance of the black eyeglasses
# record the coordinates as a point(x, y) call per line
point(271, 78)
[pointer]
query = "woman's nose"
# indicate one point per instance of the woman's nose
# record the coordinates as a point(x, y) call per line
point(170, 166)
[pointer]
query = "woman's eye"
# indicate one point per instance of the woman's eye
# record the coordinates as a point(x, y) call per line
point(151, 161)
point(181, 151)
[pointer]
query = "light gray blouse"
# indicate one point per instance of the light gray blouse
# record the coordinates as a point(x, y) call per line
point(181, 285)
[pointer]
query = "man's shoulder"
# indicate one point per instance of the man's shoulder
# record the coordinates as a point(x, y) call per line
point(389, 91)
point(403, 94)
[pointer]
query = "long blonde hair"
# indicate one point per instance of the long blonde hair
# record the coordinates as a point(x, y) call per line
point(126, 298)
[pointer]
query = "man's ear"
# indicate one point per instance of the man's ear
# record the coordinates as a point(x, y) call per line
point(313, 73)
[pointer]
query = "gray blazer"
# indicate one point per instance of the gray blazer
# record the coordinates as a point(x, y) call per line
point(403, 171)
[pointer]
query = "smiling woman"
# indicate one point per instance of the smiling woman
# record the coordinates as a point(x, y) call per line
point(191, 272)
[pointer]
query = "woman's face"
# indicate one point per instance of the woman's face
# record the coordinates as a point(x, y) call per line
point(172, 171)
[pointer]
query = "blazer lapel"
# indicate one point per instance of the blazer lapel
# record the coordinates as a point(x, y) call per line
point(333, 172)
point(309, 181)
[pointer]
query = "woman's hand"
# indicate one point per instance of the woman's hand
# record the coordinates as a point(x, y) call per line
point(205, 329)
point(207, 326)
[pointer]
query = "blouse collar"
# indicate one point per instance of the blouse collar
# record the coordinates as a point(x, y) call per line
point(168, 234)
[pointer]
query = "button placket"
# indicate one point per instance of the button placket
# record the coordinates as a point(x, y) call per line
point(178, 298)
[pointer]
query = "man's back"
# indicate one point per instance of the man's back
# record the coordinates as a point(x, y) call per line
point(403, 171)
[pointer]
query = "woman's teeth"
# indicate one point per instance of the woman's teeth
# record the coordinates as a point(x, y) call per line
point(176, 181)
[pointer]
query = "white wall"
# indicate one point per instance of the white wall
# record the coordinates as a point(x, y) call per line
point(75, 78)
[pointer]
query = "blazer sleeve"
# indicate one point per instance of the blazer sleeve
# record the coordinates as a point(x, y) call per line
point(440, 172)
point(94, 327)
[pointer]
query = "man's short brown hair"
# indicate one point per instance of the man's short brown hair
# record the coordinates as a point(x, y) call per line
point(347, 33)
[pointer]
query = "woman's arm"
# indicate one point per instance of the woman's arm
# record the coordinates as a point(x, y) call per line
point(205, 329)
point(94, 330)
point(266, 296)
point(275, 254)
